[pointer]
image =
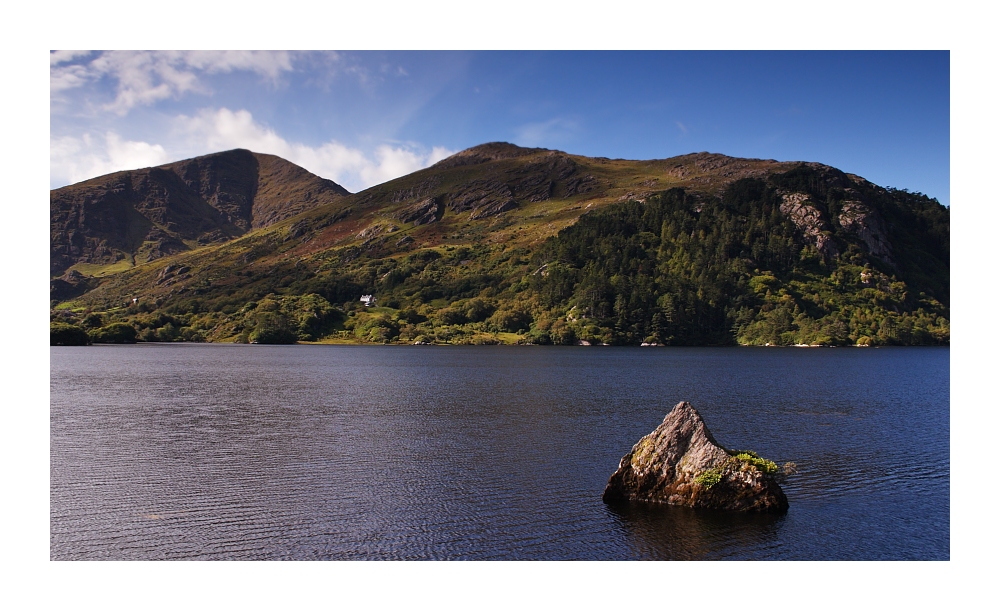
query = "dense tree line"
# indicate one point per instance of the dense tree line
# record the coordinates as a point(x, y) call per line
point(687, 269)
point(679, 268)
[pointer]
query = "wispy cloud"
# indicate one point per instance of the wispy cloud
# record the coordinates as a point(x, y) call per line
point(74, 159)
point(145, 77)
point(546, 133)
point(58, 57)
point(69, 77)
point(682, 127)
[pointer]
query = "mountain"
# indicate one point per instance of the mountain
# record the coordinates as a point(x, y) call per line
point(503, 244)
point(114, 222)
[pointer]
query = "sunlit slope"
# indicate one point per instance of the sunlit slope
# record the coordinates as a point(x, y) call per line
point(491, 194)
point(111, 223)
point(488, 245)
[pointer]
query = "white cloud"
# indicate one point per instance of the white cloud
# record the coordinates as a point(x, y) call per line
point(438, 153)
point(266, 63)
point(392, 163)
point(222, 129)
point(145, 77)
point(58, 57)
point(74, 159)
point(68, 77)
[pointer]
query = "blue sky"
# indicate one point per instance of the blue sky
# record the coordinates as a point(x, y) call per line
point(361, 118)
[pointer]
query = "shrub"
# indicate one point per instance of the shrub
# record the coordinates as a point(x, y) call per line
point(63, 334)
point(511, 321)
point(409, 315)
point(762, 464)
point(93, 321)
point(478, 310)
point(115, 333)
point(539, 337)
point(561, 333)
point(451, 316)
point(272, 328)
point(377, 329)
point(168, 332)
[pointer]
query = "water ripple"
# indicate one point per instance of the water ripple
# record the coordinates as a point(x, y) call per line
point(345, 452)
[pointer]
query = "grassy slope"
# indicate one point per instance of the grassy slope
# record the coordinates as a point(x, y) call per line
point(353, 245)
point(527, 226)
point(110, 223)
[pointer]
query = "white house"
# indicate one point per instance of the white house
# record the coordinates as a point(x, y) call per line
point(368, 300)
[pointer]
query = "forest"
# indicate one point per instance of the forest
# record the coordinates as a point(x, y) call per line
point(680, 268)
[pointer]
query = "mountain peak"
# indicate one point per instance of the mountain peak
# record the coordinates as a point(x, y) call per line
point(490, 151)
point(130, 217)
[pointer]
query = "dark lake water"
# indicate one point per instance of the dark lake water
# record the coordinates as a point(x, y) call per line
point(483, 453)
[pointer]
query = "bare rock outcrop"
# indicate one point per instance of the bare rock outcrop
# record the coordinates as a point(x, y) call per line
point(867, 225)
point(680, 463)
point(421, 190)
point(145, 214)
point(487, 197)
point(810, 222)
point(491, 151)
point(421, 213)
point(71, 284)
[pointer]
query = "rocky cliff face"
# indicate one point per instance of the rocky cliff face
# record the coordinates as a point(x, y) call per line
point(141, 215)
point(866, 224)
point(551, 174)
point(857, 219)
point(421, 213)
point(680, 463)
point(810, 222)
point(71, 284)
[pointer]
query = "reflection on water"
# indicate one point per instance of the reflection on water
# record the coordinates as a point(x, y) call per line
point(353, 452)
point(662, 532)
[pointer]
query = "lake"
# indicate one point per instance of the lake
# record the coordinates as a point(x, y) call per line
point(212, 451)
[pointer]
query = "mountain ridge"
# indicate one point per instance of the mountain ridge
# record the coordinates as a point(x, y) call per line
point(474, 248)
point(152, 212)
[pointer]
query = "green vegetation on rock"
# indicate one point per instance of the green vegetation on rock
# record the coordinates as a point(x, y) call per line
point(761, 464)
point(709, 478)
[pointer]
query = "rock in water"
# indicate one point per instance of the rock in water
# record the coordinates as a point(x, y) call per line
point(680, 463)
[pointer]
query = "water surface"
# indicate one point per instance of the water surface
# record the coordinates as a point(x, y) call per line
point(192, 451)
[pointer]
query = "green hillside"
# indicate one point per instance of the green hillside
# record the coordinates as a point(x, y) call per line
point(112, 223)
point(501, 244)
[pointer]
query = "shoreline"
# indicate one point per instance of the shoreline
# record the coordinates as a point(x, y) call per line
point(399, 345)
